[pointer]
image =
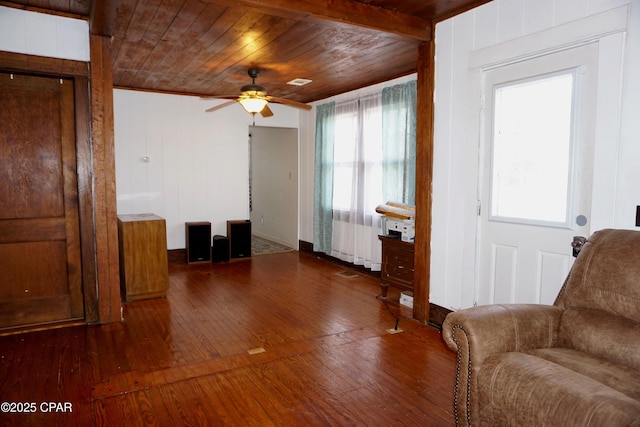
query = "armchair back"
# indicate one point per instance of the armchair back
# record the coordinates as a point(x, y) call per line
point(601, 298)
point(606, 275)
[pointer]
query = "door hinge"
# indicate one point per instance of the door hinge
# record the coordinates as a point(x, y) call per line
point(479, 207)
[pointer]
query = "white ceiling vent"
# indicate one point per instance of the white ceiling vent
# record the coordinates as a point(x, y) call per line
point(299, 82)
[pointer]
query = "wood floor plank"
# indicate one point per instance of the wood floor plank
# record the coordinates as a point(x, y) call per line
point(184, 359)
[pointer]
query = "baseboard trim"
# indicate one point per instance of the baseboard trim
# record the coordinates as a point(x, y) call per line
point(437, 315)
point(308, 247)
point(305, 246)
point(177, 256)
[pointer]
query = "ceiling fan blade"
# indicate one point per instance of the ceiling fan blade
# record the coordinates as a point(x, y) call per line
point(290, 103)
point(219, 97)
point(218, 107)
point(266, 111)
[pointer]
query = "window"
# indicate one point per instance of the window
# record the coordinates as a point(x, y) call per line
point(365, 156)
point(531, 152)
point(357, 184)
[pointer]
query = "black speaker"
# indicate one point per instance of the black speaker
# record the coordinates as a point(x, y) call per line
point(220, 249)
point(239, 235)
point(198, 241)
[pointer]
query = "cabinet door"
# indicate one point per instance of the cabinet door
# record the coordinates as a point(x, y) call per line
point(397, 264)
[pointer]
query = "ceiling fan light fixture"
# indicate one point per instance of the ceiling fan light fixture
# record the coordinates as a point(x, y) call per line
point(252, 105)
point(254, 99)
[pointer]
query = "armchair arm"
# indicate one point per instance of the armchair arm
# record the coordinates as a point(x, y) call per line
point(478, 332)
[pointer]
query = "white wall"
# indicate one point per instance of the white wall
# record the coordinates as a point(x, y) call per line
point(197, 166)
point(628, 190)
point(505, 27)
point(39, 34)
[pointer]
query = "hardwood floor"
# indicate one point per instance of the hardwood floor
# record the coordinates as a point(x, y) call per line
point(322, 355)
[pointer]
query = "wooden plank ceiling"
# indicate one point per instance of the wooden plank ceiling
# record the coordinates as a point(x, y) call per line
point(205, 47)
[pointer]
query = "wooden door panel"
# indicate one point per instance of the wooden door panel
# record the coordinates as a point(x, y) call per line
point(30, 180)
point(34, 283)
point(32, 269)
point(39, 222)
point(32, 230)
point(23, 313)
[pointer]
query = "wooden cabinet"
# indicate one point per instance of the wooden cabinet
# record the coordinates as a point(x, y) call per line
point(143, 256)
point(397, 264)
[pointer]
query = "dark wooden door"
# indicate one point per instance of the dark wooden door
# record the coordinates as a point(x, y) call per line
point(40, 270)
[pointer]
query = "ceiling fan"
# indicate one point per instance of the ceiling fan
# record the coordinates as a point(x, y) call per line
point(254, 98)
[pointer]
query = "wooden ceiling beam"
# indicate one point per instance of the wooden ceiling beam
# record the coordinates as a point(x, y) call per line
point(102, 17)
point(104, 13)
point(348, 12)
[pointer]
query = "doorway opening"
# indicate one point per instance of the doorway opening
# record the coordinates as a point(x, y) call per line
point(274, 184)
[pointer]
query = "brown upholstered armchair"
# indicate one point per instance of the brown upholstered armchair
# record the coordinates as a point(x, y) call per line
point(576, 363)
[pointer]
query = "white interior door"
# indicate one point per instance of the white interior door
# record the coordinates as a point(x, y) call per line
point(536, 173)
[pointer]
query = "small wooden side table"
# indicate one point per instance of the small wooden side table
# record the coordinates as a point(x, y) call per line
point(397, 264)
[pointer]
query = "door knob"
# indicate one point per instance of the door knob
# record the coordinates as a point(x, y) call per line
point(581, 220)
point(577, 243)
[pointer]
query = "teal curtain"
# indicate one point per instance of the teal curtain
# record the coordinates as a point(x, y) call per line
point(399, 142)
point(323, 178)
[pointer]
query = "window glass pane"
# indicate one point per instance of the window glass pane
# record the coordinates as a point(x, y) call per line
point(531, 165)
point(371, 155)
point(344, 156)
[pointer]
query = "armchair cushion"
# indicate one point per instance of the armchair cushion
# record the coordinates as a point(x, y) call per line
point(619, 377)
point(526, 390)
point(595, 332)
